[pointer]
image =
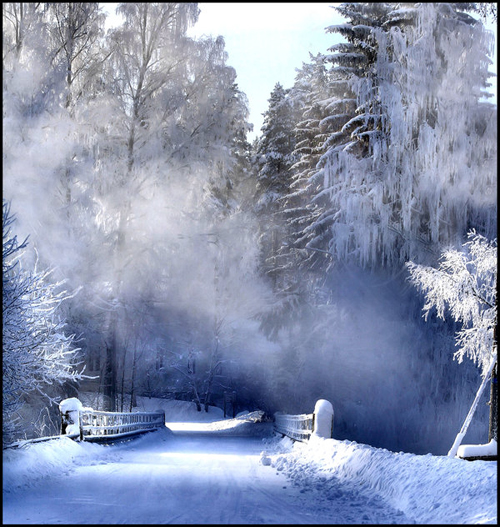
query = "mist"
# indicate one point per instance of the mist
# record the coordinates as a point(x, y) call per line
point(205, 265)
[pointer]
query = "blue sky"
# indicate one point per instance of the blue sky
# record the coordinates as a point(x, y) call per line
point(266, 42)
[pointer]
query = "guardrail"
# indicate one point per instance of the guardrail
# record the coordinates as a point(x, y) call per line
point(297, 427)
point(96, 425)
point(93, 425)
point(87, 424)
point(302, 426)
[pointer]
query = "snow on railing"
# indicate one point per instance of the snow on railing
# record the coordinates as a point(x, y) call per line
point(302, 426)
point(93, 425)
point(107, 425)
point(297, 427)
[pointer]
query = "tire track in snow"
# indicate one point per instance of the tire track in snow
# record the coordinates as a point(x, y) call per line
point(186, 479)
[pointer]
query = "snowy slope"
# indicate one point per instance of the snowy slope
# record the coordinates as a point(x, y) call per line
point(178, 411)
point(427, 489)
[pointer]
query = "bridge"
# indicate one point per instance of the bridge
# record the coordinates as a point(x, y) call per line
point(231, 471)
point(207, 475)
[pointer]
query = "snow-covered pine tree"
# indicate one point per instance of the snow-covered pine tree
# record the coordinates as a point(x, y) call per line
point(295, 267)
point(329, 105)
point(425, 171)
point(311, 130)
point(334, 121)
point(354, 60)
point(273, 160)
point(358, 118)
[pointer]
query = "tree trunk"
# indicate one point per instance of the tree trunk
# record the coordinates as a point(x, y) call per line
point(109, 385)
point(210, 380)
point(122, 394)
point(208, 393)
point(196, 394)
point(493, 426)
point(133, 401)
point(196, 398)
point(454, 449)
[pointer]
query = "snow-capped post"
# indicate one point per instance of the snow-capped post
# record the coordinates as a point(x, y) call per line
point(70, 417)
point(323, 419)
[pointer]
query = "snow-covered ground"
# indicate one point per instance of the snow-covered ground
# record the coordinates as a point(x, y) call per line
point(428, 489)
point(218, 470)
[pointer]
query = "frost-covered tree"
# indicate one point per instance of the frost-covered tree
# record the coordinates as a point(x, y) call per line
point(417, 171)
point(36, 351)
point(145, 55)
point(440, 163)
point(151, 145)
point(207, 137)
point(20, 21)
point(75, 29)
point(465, 285)
point(273, 161)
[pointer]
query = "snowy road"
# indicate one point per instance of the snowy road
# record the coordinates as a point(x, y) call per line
point(187, 478)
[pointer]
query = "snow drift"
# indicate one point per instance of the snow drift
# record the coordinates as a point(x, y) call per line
point(426, 488)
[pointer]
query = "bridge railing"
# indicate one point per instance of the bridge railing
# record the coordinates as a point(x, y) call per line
point(297, 427)
point(95, 425)
point(302, 426)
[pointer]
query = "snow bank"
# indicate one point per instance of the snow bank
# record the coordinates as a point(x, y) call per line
point(427, 489)
point(26, 465)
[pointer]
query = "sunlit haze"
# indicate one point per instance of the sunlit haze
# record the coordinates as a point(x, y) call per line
point(266, 42)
